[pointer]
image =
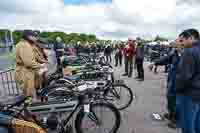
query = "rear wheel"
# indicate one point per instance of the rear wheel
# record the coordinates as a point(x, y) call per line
point(102, 118)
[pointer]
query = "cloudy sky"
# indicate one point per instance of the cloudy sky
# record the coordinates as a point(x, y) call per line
point(116, 19)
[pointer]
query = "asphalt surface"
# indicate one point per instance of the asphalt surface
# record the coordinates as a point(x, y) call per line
point(150, 98)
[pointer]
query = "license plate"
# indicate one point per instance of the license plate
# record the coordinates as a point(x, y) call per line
point(109, 77)
point(87, 108)
point(82, 87)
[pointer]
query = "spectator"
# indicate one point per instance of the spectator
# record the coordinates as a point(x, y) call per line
point(172, 59)
point(72, 51)
point(107, 53)
point(87, 49)
point(78, 48)
point(118, 56)
point(139, 61)
point(188, 81)
point(26, 64)
point(129, 53)
point(59, 50)
point(42, 58)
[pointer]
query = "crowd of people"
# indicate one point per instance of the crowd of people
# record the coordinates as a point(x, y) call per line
point(182, 60)
point(32, 58)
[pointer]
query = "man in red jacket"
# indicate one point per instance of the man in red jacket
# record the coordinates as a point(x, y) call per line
point(129, 53)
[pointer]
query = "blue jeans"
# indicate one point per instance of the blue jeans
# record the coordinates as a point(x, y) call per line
point(3, 129)
point(187, 111)
point(179, 110)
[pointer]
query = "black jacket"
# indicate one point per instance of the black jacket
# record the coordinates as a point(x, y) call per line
point(140, 52)
point(171, 59)
point(188, 73)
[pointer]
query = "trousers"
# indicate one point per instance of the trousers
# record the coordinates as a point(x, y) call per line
point(128, 65)
point(118, 59)
point(188, 114)
point(140, 69)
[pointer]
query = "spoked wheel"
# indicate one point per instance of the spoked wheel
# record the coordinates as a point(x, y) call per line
point(102, 118)
point(120, 95)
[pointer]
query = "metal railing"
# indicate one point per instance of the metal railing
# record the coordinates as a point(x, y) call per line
point(8, 84)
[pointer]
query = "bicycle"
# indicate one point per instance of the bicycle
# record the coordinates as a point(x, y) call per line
point(107, 89)
point(84, 105)
point(11, 120)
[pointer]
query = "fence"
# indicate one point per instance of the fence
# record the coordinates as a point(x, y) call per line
point(8, 84)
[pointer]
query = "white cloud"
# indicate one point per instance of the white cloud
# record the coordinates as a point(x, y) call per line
point(120, 19)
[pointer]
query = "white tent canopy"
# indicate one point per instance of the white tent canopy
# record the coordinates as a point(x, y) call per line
point(161, 43)
point(152, 43)
point(165, 43)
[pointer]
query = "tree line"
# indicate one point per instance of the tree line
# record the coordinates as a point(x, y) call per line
point(51, 36)
point(67, 38)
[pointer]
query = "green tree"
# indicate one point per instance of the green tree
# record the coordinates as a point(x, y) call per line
point(2, 34)
point(45, 34)
point(51, 36)
point(92, 38)
point(17, 36)
point(158, 38)
point(83, 37)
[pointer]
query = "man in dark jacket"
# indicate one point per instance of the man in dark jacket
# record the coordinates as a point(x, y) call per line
point(139, 60)
point(188, 81)
point(172, 59)
point(107, 53)
point(59, 50)
point(118, 55)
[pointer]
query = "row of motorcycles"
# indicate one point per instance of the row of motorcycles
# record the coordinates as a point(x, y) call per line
point(89, 101)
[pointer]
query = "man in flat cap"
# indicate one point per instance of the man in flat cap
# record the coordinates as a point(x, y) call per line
point(26, 64)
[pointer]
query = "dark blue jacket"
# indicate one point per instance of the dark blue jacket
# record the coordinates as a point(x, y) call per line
point(171, 59)
point(140, 52)
point(188, 74)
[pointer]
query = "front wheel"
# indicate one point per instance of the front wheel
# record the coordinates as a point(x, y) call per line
point(120, 95)
point(102, 118)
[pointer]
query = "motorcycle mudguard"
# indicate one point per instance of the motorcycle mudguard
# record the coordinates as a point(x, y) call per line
point(5, 120)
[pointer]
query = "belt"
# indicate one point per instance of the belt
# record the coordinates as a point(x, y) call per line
point(20, 64)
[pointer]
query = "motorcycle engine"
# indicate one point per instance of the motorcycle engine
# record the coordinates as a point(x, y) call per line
point(52, 122)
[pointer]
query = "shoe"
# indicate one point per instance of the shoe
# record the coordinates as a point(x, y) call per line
point(136, 77)
point(172, 125)
point(155, 72)
point(166, 116)
point(170, 117)
point(129, 76)
point(125, 74)
point(140, 80)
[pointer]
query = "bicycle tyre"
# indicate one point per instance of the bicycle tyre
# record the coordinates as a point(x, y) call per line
point(81, 114)
point(129, 91)
point(52, 93)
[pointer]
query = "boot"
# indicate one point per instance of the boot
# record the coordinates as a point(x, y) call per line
point(172, 125)
point(125, 74)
